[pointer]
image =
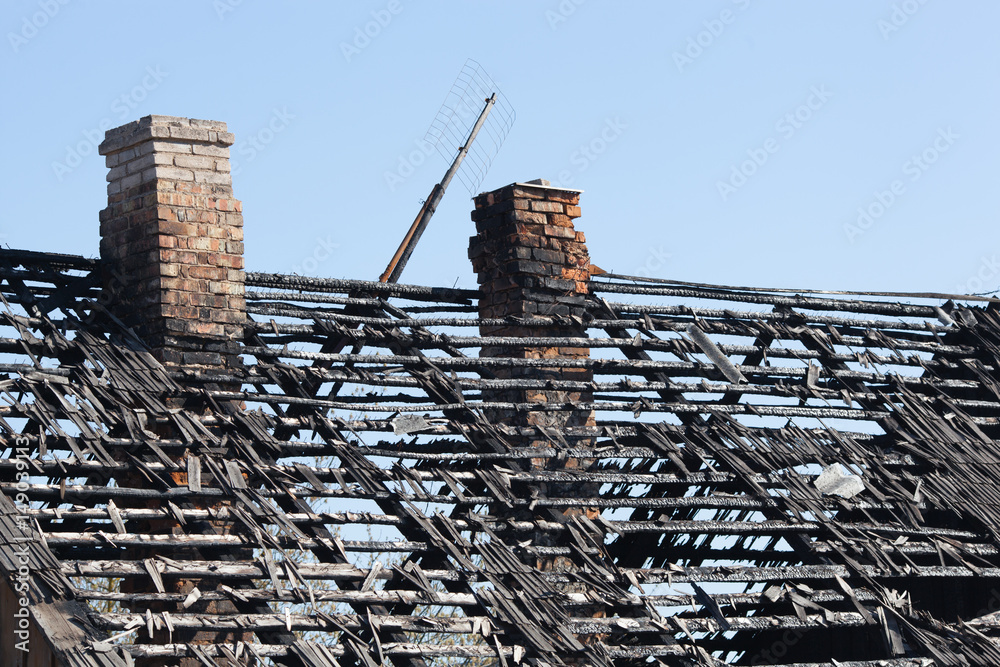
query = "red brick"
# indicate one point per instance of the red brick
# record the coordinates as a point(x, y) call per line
point(206, 328)
point(226, 260)
point(178, 228)
point(203, 242)
point(525, 216)
point(228, 316)
point(575, 274)
point(563, 196)
point(207, 273)
point(494, 210)
point(179, 284)
point(167, 213)
point(180, 312)
point(178, 256)
point(199, 215)
point(547, 207)
point(560, 232)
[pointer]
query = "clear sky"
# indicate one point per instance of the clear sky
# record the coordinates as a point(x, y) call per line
point(726, 141)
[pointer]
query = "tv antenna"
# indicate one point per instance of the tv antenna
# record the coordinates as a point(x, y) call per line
point(473, 105)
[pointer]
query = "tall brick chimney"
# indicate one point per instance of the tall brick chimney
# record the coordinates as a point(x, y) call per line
point(172, 242)
point(532, 263)
point(172, 235)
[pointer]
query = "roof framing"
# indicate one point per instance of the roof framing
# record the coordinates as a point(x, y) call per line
point(355, 504)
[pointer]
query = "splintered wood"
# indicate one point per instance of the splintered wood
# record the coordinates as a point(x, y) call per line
point(367, 489)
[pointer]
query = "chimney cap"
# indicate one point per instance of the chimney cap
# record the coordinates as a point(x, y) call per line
point(165, 128)
point(545, 185)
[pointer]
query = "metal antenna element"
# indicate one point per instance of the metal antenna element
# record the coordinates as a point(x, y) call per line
point(456, 121)
point(457, 115)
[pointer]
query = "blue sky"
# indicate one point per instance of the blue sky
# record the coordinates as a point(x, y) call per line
point(729, 141)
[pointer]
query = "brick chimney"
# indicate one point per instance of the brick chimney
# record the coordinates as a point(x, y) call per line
point(532, 263)
point(172, 237)
point(172, 243)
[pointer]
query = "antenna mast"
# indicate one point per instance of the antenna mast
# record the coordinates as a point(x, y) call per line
point(473, 87)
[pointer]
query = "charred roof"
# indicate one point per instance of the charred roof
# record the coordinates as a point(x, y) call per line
point(768, 477)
